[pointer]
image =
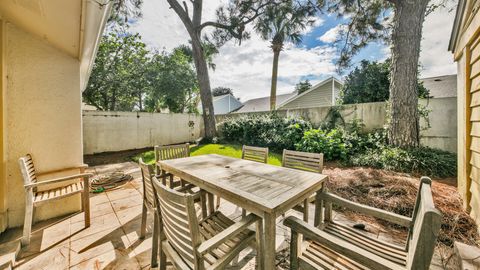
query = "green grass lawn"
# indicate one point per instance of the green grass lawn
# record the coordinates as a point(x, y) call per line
point(229, 150)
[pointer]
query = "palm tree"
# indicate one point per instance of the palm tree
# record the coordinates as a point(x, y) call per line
point(280, 24)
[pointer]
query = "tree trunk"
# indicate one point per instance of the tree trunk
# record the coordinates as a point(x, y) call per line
point(192, 27)
point(273, 89)
point(204, 85)
point(404, 127)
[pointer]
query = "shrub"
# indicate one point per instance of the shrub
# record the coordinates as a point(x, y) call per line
point(329, 143)
point(269, 130)
point(421, 160)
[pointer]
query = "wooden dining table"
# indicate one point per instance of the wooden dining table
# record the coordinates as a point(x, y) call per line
point(265, 190)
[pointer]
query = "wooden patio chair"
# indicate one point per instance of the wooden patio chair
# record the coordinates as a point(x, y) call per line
point(35, 195)
point(150, 203)
point(310, 162)
point(165, 152)
point(210, 243)
point(336, 246)
point(252, 153)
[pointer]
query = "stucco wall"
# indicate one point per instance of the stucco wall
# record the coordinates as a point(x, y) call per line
point(43, 117)
point(442, 133)
point(116, 131)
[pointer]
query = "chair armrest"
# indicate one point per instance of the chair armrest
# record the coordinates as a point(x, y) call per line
point(185, 188)
point(228, 233)
point(338, 245)
point(58, 180)
point(367, 210)
point(81, 167)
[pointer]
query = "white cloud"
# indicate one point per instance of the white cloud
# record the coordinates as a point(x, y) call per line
point(248, 68)
point(332, 34)
point(435, 58)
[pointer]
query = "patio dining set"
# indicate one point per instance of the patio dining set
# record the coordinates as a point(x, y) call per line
point(183, 194)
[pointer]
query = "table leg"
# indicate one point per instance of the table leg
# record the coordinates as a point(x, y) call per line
point(318, 218)
point(211, 203)
point(269, 242)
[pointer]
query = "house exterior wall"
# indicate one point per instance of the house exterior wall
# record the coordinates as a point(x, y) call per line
point(321, 96)
point(117, 131)
point(3, 136)
point(467, 56)
point(43, 117)
point(226, 104)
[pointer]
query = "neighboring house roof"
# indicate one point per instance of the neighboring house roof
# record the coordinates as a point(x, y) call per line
point(315, 88)
point(441, 86)
point(263, 104)
point(215, 98)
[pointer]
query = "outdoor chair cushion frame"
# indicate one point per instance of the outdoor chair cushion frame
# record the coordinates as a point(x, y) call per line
point(211, 243)
point(252, 153)
point(73, 184)
point(330, 244)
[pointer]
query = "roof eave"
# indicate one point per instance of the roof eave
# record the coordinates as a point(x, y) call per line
point(456, 25)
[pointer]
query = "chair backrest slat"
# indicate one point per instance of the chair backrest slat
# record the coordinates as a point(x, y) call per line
point(165, 152)
point(258, 154)
point(147, 175)
point(28, 169)
point(179, 221)
point(426, 226)
point(312, 162)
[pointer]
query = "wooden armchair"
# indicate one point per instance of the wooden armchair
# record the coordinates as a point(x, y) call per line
point(336, 246)
point(170, 152)
point(150, 204)
point(72, 184)
point(211, 243)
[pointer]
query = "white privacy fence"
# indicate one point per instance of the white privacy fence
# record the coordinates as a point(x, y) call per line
point(117, 131)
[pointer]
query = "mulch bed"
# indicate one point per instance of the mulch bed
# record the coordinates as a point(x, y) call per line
point(396, 192)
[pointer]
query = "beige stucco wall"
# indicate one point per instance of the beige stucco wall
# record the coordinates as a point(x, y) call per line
point(442, 133)
point(43, 117)
point(116, 131)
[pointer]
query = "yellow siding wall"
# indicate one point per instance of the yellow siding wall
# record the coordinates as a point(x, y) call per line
point(3, 174)
point(467, 55)
point(43, 117)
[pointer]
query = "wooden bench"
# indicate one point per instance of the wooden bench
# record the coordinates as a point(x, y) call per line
point(71, 185)
point(331, 245)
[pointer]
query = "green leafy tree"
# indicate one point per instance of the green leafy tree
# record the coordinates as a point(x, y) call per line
point(230, 24)
point(173, 83)
point(370, 82)
point(398, 23)
point(302, 86)
point(116, 82)
point(220, 91)
point(124, 10)
point(280, 24)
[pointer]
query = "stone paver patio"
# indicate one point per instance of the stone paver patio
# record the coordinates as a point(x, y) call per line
point(112, 241)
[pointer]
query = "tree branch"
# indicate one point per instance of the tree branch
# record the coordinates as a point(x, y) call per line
point(181, 13)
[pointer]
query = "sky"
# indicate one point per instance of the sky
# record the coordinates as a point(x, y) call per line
point(247, 68)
